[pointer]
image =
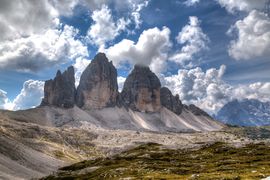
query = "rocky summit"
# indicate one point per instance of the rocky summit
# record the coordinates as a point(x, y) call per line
point(61, 90)
point(98, 86)
point(141, 90)
point(170, 101)
point(98, 89)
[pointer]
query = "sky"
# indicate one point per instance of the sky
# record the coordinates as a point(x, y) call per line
point(207, 51)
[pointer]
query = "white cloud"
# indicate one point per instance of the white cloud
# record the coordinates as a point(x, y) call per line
point(105, 28)
point(30, 95)
point(150, 50)
point(3, 99)
point(209, 91)
point(259, 90)
point(79, 66)
point(253, 37)
point(193, 40)
point(120, 80)
point(24, 18)
point(253, 32)
point(137, 7)
point(64, 7)
point(40, 51)
point(205, 89)
point(242, 5)
point(191, 2)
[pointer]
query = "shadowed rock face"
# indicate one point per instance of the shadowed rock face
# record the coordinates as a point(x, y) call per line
point(169, 101)
point(61, 90)
point(98, 86)
point(141, 90)
point(196, 111)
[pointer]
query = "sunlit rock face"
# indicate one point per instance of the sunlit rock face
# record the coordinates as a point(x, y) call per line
point(170, 101)
point(98, 84)
point(60, 91)
point(141, 90)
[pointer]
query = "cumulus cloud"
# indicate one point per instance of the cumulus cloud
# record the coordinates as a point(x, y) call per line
point(205, 89)
point(36, 52)
point(3, 99)
point(150, 50)
point(257, 90)
point(30, 95)
point(193, 40)
point(105, 28)
point(253, 32)
point(241, 5)
point(209, 91)
point(23, 18)
point(253, 37)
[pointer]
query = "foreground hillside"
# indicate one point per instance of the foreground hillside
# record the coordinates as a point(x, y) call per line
point(30, 150)
point(152, 161)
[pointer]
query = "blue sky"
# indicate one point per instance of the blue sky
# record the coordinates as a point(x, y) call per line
point(209, 52)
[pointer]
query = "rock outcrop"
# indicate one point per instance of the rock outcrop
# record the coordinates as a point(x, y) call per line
point(169, 101)
point(196, 111)
point(61, 90)
point(141, 90)
point(98, 86)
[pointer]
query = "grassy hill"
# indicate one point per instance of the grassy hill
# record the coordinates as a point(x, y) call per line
point(153, 161)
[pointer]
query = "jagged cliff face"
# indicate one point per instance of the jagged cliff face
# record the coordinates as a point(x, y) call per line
point(98, 86)
point(61, 90)
point(98, 89)
point(169, 101)
point(141, 90)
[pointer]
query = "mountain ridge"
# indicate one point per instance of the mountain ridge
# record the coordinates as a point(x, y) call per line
point(246, 112)
point(142, 105)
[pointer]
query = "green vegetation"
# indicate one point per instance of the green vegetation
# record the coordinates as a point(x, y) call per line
point(152, 161)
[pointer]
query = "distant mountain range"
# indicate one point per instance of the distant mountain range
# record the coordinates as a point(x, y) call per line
point(247, 112)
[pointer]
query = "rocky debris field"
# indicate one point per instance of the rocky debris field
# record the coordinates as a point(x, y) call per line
point(30, 151)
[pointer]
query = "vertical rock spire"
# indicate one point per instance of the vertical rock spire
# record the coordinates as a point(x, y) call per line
point(98, 86)
point(141, 90)
point(61, 90)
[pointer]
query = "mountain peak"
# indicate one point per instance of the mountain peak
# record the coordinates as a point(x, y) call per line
point(101, 57)
point(247, 112)
point(61, 90)
point(142, 90)
point(98, 86)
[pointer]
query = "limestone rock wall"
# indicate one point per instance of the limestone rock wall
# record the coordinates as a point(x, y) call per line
point(61, 90)
point(98, 86)
point(141, 90)
point(169, 101)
